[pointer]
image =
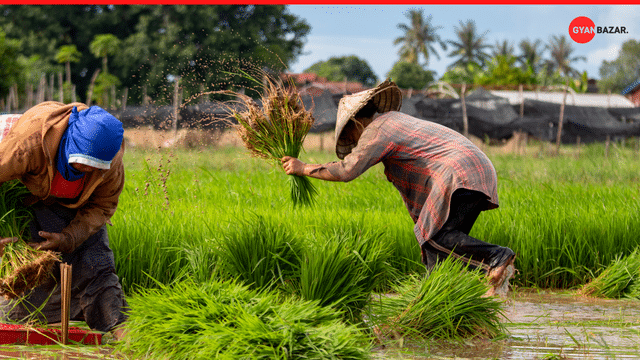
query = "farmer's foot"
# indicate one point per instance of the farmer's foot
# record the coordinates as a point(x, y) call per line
point(499, 278)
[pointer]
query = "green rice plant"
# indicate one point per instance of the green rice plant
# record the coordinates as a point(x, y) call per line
point(447, 304)
point(619, 279)
point(276, 129)
point(227, 320)
point(260, 253)
point(21, 266)
point(342, 273)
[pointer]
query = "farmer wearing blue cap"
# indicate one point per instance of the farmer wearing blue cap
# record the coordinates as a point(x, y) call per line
point(70, 158)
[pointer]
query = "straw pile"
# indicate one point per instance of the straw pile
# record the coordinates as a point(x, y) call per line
point(276, 129)
point(21, 267)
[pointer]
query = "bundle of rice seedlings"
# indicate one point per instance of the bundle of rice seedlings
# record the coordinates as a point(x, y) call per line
point(342, 272)
point(227, 320)
point(262, 254)
point(447, 304)
point(21, 267)
point(618, 280)
point(276, 129)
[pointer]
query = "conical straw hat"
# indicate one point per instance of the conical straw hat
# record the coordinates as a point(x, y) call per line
point(386, 97)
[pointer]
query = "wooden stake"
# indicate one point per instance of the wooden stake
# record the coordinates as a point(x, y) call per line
point(559, 136)
point(61, 89)
point(578, 145)
point(465, 121)
point(65, 295)
point(606, 146)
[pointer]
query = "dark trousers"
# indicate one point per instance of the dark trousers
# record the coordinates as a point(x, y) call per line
point(453, 238)
point(96, 294)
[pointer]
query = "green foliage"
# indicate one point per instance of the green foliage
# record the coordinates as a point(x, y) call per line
point(410, 76)
point(447, 304)
point(350, 68)
point(158, 41)
point(617, 74)
point(68, 53)
point(620, 279)
point(418, 39)
point(10, 66)
point(226, 320)
point(14, 217)
point(259, 253)
point(470, 46)
point(503, 71)
point(461, 74)
point(102, 88)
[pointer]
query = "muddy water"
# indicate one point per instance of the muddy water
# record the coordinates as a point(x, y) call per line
point(540, 325)
point(543, 325)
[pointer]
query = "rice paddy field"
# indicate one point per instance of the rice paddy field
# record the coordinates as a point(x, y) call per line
point(201, 228)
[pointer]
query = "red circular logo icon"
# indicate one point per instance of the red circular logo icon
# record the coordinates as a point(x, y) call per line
point(582, 29)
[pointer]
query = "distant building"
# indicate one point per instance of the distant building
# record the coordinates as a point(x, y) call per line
point(314, 85)
point(632, 92)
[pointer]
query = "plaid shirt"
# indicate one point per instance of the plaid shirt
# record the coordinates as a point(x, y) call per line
point(6, 122)
point(426, 162)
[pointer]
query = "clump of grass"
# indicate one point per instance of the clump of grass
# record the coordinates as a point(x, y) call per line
point(447, 304)
point(342, 271)
point(260, 253)
point(227, 320)
point(618, 280)
point(21, 267)
point(276, 129)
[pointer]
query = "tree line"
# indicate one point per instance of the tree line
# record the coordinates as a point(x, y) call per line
point(143, 48)
point(475, 61)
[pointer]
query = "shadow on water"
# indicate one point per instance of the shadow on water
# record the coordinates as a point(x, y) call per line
point(545, 325)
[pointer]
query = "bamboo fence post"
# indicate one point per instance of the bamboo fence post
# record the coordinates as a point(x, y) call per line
point(606, 146)
point(73, 93)
point(559, 136)
point(521, 101)
point(113, 97)
point(176, 106)
point(125, 97)
point(465, 120)
point(29, 100)
point(65, 294)
point(42, 86)
point(10, 101)
point(578, 146)
point(145, 99)
point(61, 89)
point(91, 85)
point(51, 87)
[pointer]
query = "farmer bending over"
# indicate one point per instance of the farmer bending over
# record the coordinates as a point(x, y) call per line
point(444, 179)
point(70, 158)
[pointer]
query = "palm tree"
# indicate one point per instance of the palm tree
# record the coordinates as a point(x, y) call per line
point(419, 38)
point(504, 48)
point(470, 47)
point(561, 60)
point(531, 53)
point(103, 46)
point(67, 54)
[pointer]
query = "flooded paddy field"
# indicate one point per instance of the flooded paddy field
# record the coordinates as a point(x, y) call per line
point(539, 324)
point(545, 325)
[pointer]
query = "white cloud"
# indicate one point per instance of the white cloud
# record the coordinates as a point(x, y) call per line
point(609, 53)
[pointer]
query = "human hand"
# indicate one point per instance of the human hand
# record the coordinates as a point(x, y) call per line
point(4, 242)
point(292, 166)
point(53, 241)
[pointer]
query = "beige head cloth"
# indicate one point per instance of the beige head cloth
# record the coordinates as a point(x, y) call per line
point(386, 97)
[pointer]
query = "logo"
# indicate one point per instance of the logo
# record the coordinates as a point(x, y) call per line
point(582, 29)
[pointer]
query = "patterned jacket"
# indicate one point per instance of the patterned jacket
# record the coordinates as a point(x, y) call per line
point(27, 152)
point(426, 162)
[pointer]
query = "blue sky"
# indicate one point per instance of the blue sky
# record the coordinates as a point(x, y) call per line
point(368, 31)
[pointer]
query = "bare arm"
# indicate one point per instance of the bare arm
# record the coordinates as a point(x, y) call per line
point(293, 166)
